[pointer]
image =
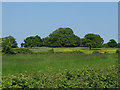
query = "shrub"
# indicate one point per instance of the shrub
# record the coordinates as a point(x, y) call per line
point(22, 51)
point(95, 52)
point(77, 52)
point(84, 78)
point(117, 51)
point(51, 50)
point(105, 52)
point(7, 50)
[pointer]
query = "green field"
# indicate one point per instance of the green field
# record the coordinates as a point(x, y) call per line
point(70, 49)
point(56, 63)
point(12, 64)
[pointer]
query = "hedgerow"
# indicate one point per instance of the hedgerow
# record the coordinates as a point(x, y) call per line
point(83, 78)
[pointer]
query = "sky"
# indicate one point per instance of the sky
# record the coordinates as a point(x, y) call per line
point(24, 19)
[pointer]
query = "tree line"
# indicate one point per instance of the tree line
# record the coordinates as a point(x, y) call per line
point(62, 37)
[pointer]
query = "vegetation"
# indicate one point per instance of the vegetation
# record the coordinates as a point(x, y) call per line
point(60, 70)
point(22, 51)
point(10, 41)
point(63, 37)
point(60, 60)
point(92, 40)
point(112, 43)
point(83, 78)
point(7, 44)
point(32, 42)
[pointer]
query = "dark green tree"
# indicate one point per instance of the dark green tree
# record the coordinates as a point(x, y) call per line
point(112, 43)
point(118, 45)
point(7, 50)
point(45, 41)
point(10, 41)
point(32, 41)
point(7, 44)
point(63, 37)
point(105, 45)
point(92, 40)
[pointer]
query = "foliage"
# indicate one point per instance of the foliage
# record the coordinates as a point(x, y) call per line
point(45, 41)
point(7, 50)
point(95, 52)
point(7, 44)
point(76, 52)
point(32, 41)
point(51, 50)
point(112, 43)
point(118, 45)
point(10, 41)
point(118, 51)
point(63, 37)
point(92, 40)
point(105, 52)
point(22, 51)
point(84, 78)
point(105, 45)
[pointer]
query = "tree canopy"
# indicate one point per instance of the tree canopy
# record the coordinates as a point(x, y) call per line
point(63, 37)
point(7, 44)
point(112, 43)
point(10, 41)
point(92, 40)
point(32, 41)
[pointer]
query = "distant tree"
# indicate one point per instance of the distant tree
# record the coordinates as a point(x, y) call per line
point(32, 41)
point(92, 40)
point(63, 37)
point(118, 45)
point(105, 45)
point(10, 41)
point(7, 44)
point(22, 44)
point(112, 43)
point(0, 42)
point(7, 50)
point(45, 41)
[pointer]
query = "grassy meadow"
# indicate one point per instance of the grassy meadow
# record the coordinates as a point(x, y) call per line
point(60, 61)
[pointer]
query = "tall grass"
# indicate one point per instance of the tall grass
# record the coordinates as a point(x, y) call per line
point(55, 62)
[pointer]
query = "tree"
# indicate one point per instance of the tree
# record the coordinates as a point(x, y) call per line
point(45, 41)
point(7, 50)
point(63, 37)
point(118, 45)
point(105, 45)
point(92, 40)
point(112, 43)
point(32, 41)
point(7, 44)
point(10, 41)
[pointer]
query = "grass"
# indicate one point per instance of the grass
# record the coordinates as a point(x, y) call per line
point(69, 49)
point(55, 62)
point(68, 69)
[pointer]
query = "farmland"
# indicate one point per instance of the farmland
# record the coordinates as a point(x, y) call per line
point(65, 67)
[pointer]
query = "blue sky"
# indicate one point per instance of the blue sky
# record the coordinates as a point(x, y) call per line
point(21, 20)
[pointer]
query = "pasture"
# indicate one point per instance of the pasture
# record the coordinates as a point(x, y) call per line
point(60, 61)
point(70, 49)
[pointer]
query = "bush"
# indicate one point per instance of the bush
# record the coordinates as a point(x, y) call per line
point(77, 52)
point(95, 52)
point(51, 50)
point(84, 78)
point(7, 50)
point(117, 51)
point(105, 52)
point(22, 51)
